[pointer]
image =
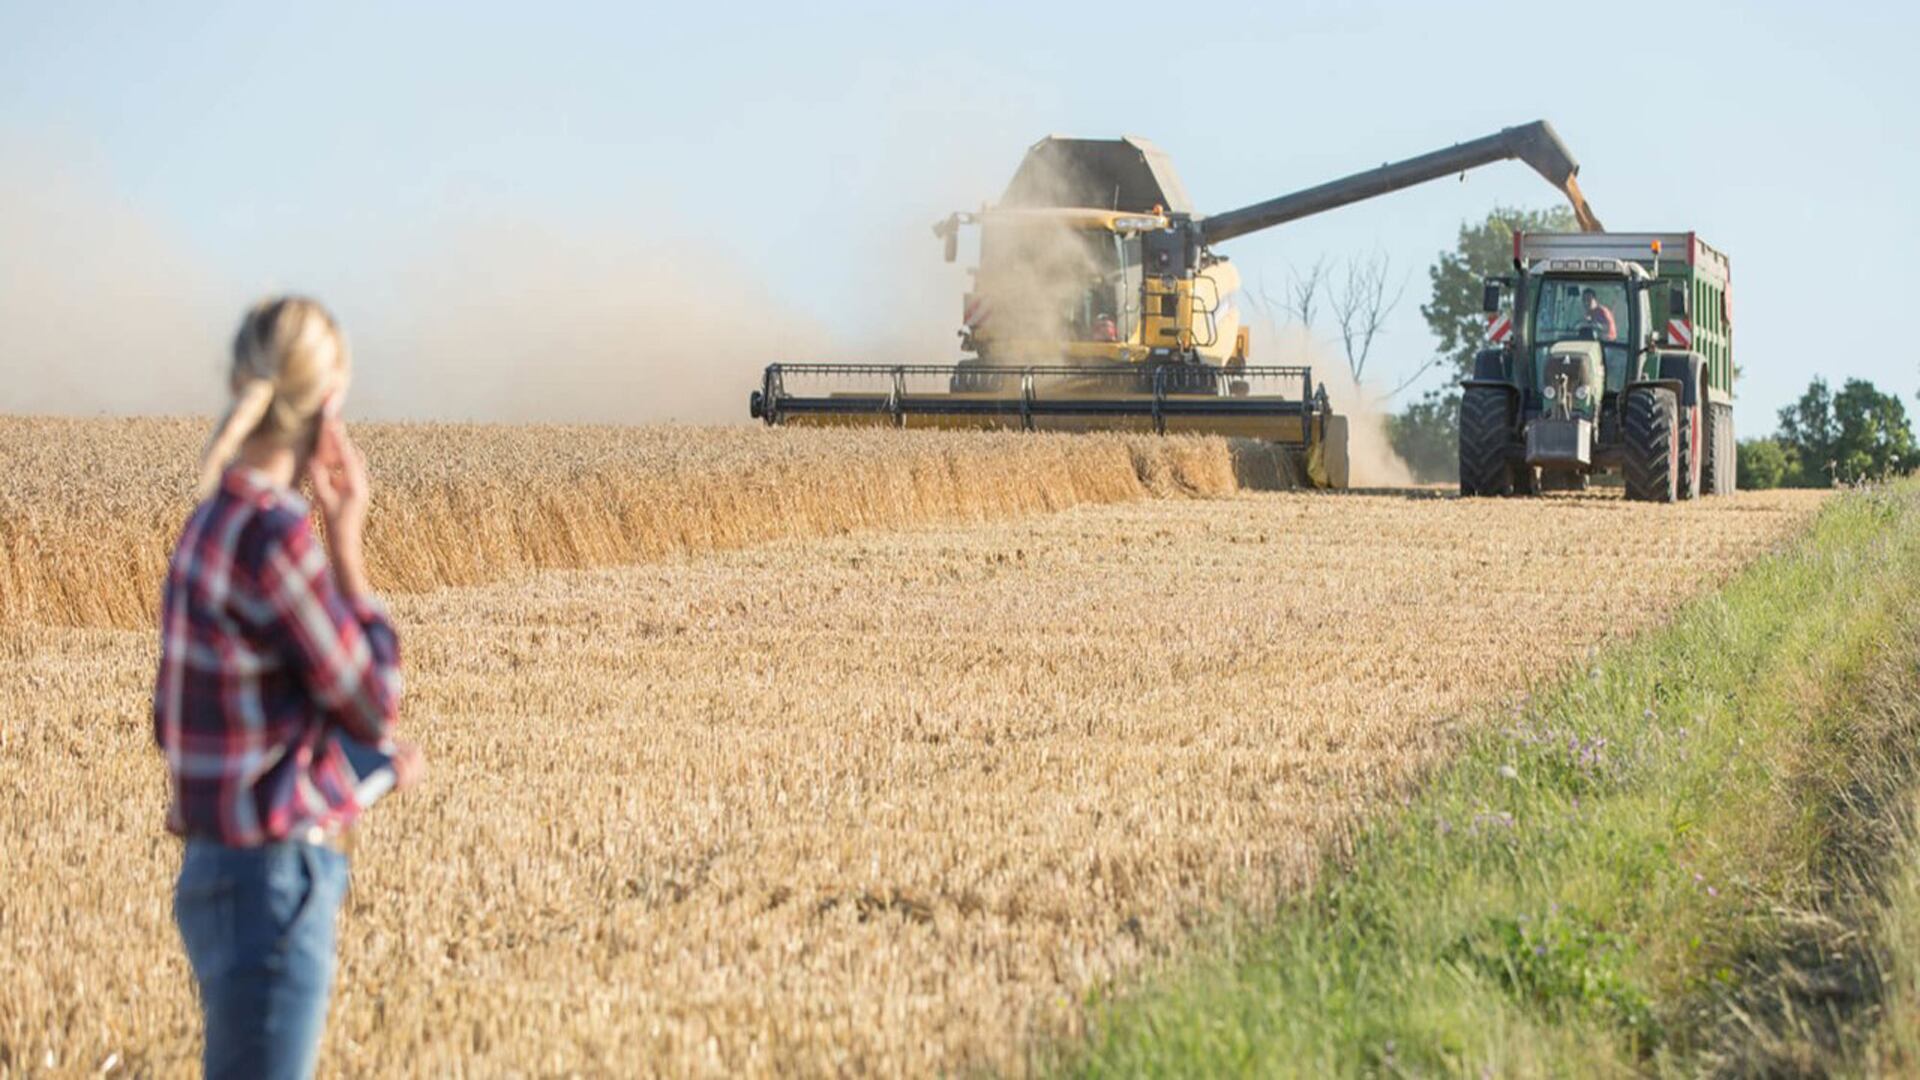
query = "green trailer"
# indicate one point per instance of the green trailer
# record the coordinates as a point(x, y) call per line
point(1607, 352)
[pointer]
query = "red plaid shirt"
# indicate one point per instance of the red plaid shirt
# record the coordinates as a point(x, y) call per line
point(262, 660)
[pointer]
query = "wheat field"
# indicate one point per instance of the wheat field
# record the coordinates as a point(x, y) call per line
point(887, 789)
point(89, 509)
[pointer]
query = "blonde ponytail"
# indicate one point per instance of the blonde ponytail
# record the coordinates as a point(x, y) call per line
point(288, 358)
point(241, 418)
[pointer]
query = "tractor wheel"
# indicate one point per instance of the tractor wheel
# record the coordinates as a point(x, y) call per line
point(1486, 436)
point(1717, 475)
point(1691, 435)
point(1652, 458)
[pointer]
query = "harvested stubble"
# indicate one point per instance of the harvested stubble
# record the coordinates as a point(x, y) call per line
point(879, 803)
point(89, 509)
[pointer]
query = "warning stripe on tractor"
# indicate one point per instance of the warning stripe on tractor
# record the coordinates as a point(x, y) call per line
point(1498, 327)
point(1680, 332)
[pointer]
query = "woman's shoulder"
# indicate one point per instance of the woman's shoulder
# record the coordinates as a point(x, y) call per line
point(279, 520)
point(273, 519)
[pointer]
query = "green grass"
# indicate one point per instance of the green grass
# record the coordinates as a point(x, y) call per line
point(1649, 869)
point(1893, 1048)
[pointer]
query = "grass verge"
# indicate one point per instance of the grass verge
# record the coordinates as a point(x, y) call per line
point(1672, 863)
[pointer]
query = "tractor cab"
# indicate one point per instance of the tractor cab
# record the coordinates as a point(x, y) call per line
point(1586, 322)
point(1582, 338)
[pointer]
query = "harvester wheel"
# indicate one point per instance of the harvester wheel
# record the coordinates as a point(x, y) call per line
point(1720, 464)
point(1486, 437)
point(1652, 460)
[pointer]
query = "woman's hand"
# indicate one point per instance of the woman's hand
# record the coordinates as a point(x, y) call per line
point(409, 766)
point(339, 475)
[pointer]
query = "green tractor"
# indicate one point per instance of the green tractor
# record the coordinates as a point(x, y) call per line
point(1614, 355)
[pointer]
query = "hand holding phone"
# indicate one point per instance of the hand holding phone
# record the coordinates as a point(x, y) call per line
point(338, 473)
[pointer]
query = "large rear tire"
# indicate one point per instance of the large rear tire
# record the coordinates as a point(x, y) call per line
point(1486, 439)
point(1690, 433)
point(1721, 461)
point(1651, 459)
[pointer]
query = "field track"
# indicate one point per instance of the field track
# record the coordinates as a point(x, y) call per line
point(883, 802)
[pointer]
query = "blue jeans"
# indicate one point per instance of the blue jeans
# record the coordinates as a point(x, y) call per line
point(258, 926)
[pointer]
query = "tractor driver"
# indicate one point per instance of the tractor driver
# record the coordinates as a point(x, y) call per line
point(1599, 317)
point(1105, 329)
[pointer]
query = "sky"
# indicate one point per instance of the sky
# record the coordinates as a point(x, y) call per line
point(620, 212)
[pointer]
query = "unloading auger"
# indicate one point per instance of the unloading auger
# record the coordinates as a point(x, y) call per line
point(1100, 305)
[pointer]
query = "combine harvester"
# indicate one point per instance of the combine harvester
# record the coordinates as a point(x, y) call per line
point(1617, 355)
point(1100, 305)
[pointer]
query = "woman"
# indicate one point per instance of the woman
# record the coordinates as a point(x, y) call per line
point(275, 659)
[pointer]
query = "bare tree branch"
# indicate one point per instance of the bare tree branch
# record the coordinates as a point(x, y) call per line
point(1304, 291)
point(1361, 307)
point(1431, 363)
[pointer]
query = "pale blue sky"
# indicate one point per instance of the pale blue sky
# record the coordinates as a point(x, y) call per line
point(777, 168)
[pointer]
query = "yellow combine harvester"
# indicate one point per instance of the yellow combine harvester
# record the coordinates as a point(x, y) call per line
point(1100, 305)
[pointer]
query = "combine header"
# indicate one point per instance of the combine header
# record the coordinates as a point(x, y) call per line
point(1100, 305)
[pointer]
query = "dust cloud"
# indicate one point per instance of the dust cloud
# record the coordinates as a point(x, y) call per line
point(1034, 281)
point(1041, 280)
point(1370, 453)
point(101, 310)
point(525, 322)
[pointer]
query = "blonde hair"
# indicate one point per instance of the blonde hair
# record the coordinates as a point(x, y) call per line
point(288, 358)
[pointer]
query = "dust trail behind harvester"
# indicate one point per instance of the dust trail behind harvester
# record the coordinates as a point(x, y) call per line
point(102, 309)
point(1371, 458)
point(525, 323)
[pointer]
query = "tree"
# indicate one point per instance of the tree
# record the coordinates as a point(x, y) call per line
point(1483, 250)
point(1875, 439)
point(1762, 464)
point(1303, 296)
point(1361, 306)
point(1808, 431)
point(1857, 434)
point(1360, 303)
point(1424, 436)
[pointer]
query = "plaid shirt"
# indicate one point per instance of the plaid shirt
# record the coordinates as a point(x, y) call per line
point(262, 660)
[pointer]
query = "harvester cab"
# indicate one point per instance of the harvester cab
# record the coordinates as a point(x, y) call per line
point(1099, 303)
point(1598, 363)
